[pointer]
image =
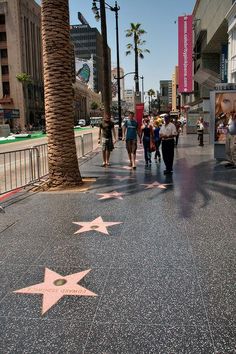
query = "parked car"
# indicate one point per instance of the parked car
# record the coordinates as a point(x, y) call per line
point(82, 123)
point(95, 121)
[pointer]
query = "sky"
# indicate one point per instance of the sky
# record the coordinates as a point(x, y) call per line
point(157, 18)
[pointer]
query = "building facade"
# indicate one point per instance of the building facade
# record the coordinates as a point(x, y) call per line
point(129, 101)
point(231, 19)
point(165, 96)
point(21, 102)
point(87, 42)
point(114, 83)
point(83, 99)
point(210, 52)
point(175, 95)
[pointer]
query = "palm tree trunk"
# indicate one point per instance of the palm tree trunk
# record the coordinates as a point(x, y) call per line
point(62, 158)
point(136, 65)
point(106, 83)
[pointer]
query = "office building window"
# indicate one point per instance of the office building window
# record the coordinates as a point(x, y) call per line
point(6, 88)
point(3, 53)
point(3, 36)
point(5, 70)
point(2, 19)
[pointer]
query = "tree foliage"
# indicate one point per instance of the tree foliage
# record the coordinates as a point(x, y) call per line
point(24, 78)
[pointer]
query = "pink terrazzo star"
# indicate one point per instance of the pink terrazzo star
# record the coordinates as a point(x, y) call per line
point(126, 167)
point(96, 225)
point(122, 178)
point(55, 286)
point(114, 194)
point(155, 185)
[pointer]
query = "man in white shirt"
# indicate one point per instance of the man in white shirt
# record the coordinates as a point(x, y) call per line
point(167, 135)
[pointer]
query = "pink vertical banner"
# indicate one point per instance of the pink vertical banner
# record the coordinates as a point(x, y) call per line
point(185, 51)
point(139, 113)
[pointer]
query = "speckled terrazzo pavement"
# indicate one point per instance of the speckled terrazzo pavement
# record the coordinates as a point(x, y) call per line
point(164, 277)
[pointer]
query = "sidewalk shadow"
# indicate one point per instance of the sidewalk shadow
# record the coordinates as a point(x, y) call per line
point(203, 179)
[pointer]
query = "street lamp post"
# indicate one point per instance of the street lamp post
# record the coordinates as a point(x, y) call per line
point(115, 9)
point(141, 77)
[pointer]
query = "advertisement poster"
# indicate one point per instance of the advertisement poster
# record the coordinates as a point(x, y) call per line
point(185, 51)
point(192, 120)
point(139, 113)
point(225, 114)
point(84, 71)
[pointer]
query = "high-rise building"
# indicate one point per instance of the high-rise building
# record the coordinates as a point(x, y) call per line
point(175, 96)
point(114, 72)
point(165, 95)
point(128, 101)
point(87, 43)
point(21, 102)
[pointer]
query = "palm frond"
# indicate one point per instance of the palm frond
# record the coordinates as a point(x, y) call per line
point(129, 46)
point(129, 33)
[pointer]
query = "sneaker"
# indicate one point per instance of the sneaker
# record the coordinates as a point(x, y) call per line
point(168, 172)
point(103, 164)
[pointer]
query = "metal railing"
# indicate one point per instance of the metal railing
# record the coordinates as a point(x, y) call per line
point(23, 167)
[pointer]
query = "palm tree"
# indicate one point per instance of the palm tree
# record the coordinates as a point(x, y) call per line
point(150, 93)
point(136, 32)
point(62, 159)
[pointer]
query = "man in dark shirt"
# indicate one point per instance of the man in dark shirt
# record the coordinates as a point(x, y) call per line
point(106, 129)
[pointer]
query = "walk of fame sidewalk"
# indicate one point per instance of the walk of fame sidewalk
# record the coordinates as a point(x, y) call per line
point(137, 262)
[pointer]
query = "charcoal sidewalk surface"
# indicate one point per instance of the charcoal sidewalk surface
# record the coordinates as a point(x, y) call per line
point(164, 277)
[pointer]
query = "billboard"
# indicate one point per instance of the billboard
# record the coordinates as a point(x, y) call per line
point(185, 51)
point(224, 63)
point(84, 71)
point(225, 114)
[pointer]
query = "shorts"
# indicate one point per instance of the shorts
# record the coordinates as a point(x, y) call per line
point(131, 146)
point(107, 144)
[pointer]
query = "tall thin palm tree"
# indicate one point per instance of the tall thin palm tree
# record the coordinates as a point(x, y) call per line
point(62, 159)
point(136, 32)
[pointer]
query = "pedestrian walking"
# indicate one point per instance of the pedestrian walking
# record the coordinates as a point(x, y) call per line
point(146, 136)
point(230, 143)
point(200, 131)
point(106, 129)
point(167, 134)
point(130, 132)
point(157, 140)
point(177, 124)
